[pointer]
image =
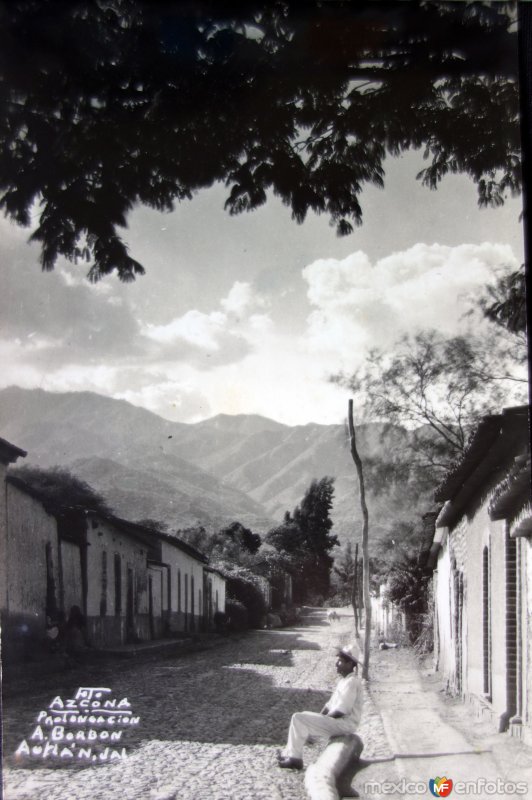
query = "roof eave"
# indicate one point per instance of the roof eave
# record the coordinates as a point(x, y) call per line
point(10, 452)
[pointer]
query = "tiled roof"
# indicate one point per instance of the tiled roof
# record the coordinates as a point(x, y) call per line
point(482, 439)
point(513, 493)
point(490, 454)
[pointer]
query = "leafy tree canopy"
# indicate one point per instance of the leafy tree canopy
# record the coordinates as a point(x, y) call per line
point(232, 546)
point(344, 574)
point(504, 303)
point(305, 538)
point(196, 537)
point(245, 587)
point(287, 538)
point(407, 587)
point(241, 536)
point(106, 104)
point(61, 487)
point(270, 562)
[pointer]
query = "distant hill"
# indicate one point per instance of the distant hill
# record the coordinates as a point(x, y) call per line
point(128, 454)
point(58, 426)
point(275, 468)
point(245, 467)
point(181, 494)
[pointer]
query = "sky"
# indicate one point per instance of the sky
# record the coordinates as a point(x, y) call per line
point(253, 314)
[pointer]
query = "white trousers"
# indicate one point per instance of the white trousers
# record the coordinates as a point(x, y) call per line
point(308, 724)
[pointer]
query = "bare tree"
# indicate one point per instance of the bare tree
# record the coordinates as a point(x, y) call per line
point(439, 387)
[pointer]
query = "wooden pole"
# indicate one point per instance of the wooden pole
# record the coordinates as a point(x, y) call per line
point(355, 593)
point(365, 532)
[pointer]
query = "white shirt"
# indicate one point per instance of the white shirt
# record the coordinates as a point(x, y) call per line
point(348, 698)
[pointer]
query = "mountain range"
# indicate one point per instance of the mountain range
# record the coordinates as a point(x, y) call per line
point(244, 467)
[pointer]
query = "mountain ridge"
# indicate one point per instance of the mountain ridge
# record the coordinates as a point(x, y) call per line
point(209, 473)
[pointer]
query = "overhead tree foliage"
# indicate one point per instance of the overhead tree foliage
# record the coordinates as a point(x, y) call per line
point(504, 303)
point(109, 103)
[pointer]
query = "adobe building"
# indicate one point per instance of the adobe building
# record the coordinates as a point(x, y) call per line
point(9, 454)
point(482, 559)
point(131, 583)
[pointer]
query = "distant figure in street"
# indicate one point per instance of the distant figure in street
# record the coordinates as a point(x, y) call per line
point(341, 715)
point(332, 616)
point(75, 636)
point(54, 628)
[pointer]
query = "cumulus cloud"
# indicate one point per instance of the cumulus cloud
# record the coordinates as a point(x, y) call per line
point(198, 329)
point(61, 333)
point(164, 351)
point(275, 380)
point(223, 335)
point(358, 305)
point(241, 298)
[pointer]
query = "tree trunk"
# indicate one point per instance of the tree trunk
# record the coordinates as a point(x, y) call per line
point(365, 553)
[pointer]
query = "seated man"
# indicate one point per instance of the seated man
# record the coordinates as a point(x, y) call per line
point(341, 715)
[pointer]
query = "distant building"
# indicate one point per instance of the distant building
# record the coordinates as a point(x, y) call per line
point(132, 583)
point(214, 592)
point(388, 619)
point(482, 559)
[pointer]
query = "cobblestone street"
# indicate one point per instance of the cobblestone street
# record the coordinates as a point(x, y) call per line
point(210, 721)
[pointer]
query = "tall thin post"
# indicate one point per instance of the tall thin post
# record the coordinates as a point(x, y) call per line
point(365, 532)
point(355, 592)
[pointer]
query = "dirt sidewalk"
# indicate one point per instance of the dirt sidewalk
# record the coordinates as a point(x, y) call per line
point(419, 720)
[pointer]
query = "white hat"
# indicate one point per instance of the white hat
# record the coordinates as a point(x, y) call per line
point(351, 652)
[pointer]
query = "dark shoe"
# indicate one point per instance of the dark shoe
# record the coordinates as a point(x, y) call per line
point(290, 763)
